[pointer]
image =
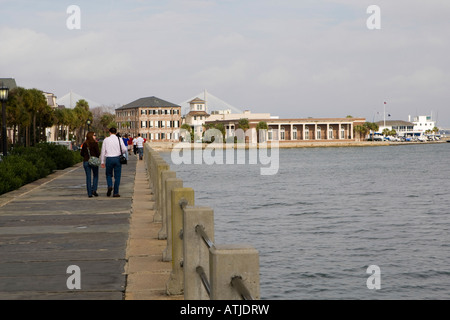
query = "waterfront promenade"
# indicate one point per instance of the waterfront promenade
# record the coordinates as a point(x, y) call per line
point(51, 224)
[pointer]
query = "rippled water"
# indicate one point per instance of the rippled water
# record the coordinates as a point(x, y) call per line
point(330, 213)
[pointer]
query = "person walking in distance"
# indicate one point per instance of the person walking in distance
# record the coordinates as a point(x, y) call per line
point(134, 146)
point(90, 148)
point(140, 146)
point(112, 149)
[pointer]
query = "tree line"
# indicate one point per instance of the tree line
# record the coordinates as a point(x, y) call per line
point(28, 114)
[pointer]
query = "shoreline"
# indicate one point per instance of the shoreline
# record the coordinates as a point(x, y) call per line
point(169, 146)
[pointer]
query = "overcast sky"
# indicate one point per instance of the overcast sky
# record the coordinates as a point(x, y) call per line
point(292, 58)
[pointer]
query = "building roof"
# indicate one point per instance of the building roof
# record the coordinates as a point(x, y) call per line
point(197, 100)
point(8, 82)
point(212, 103)
point(198, 113)
point(308, 121)
point(391, 123)
point(149, 102)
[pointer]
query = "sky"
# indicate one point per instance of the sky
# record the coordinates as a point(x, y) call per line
point(290, 58)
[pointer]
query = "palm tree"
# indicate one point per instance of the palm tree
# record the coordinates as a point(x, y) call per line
point(188, 128)
point(371, 126)
point(362, 130)
point(107, 121)
point(18, 117)
point(216, 126)
point(83, 114)
point(435, 130)
point(243, 124)
point(261, 129)
point(62, 120)
point(37, 104)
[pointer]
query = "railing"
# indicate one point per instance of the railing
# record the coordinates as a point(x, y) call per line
point(201, 270)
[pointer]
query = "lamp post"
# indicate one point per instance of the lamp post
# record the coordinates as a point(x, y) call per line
point(89, 122)
point(3, 98)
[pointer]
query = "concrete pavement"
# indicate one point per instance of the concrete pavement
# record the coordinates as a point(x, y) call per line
point(51, 224)
point(147, 273)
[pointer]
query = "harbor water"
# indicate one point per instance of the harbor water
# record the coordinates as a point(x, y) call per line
point(330, 213)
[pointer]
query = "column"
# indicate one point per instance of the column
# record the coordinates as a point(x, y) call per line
point(292, 132)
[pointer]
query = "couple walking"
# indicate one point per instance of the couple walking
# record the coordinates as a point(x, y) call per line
point(113, 147)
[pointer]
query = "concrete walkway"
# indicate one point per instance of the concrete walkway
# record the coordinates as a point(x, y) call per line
point(51, 224)
point(147, 273)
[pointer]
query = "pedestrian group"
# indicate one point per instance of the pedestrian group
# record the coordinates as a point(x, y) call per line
point(110, 156)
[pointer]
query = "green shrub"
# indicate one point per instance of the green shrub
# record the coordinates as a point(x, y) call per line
point(25, 165)
point(15, 172)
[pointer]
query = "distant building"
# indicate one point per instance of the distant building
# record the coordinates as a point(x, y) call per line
point(8, 82)
point(51, 133)
point(295, 130)
point(11, 84)
point(418, 127)
point(402, 128)
point(153, 118)
point(423, 123)
point(197, 116)
point(224, 116)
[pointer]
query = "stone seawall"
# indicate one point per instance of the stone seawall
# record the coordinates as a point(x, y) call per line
point(168, 146)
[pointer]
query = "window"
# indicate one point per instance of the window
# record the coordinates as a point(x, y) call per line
point(342, 133)
point(270, 135)
point(307, 134)
point(282, 134)
point(319, 133)
point(294, 133)
point(330, 134)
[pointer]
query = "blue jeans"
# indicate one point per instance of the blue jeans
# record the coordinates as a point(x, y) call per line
point(91, 184)
point(113, 166)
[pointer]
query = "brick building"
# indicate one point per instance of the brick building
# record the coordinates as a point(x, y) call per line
point(153, 118)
